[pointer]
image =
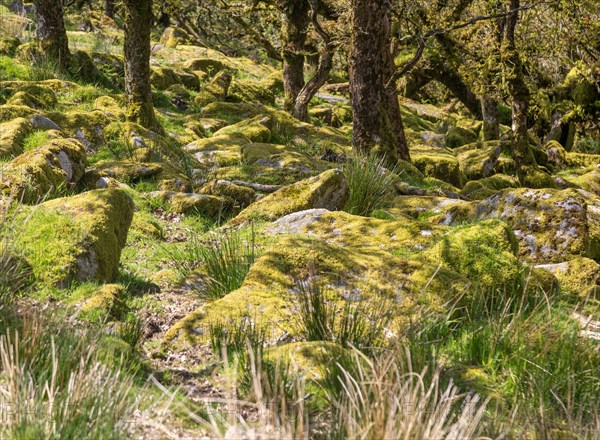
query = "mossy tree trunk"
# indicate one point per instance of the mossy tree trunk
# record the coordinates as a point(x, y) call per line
point(324, 66)
point(376, 112)
point(491, 120)
point(296, 20)
point(51, 32)
point(518, 90)
point(138, 21)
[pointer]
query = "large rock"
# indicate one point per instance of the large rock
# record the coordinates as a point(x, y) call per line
point(478, 161)
point(580, 276)
point(54, 167)
point(12, 136)
point(328, 190)
point(551, 225)
point(184, 203)
point(77, 238)
point(438, 163)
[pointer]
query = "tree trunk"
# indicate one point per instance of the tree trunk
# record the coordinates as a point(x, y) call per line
point(109, 8)
point(295, 27)
point(517, 89)
point(51, 32)
point(453, 82)
point(138, 21)
point(323, 68)
point(376, 112)
point(491, 120)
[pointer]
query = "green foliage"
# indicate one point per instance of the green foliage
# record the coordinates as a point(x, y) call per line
point(588, 145)
point(370, 183)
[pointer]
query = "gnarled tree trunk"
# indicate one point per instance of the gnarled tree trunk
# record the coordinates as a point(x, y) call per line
point(376, 112)
point(295, 26)
point(324, 66)
point(51, 32)
point(138, 20)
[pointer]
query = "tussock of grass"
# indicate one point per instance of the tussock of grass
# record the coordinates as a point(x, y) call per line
point(370, 183)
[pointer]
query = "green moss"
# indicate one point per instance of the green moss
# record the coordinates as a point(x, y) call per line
point(215, 90)
point(254, 129)
point(11, 112)
point(459, 136)
point(251, 91)
point(52, 167)
point(240, 195)
point(8, 46)
point(582, 159)
point(328, 190)
point(76, 122)
point(163, 77)
point(127, 171)
point(439, 164)
point(77, 238)
point(32, 94)
point(105, 303)
point(207, 205)
point(484, 188)
point(111, 107)
point(578, 276)
point(13, 136)
point(485, 253)
point(478, 160)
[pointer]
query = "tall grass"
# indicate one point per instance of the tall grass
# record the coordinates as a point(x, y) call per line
point(55, 385)
point(320, 317)
point(224, 260)
point(371, 184)
point(525, 350)
point(384, 398)
point(15, 274)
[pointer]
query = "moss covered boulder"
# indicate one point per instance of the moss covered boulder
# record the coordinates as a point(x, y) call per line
point(55, 167)
point(328, 190)
point(579, 276)
point(12, 136)
point(184, 203)
point(222, 150)
point(487, 187)
point(255, 129)
point(485, 253)
point(127, 171)
point(437, 163)
point(550, 225)
point(215, 90)
point(77, 238)
point(240, 195)
point(479, 160)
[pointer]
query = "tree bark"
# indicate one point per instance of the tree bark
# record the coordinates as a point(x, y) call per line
point(322, 71)
point(491, 120)
point(517, 89)
point(51, 32)
point(295, 27)
point(138, 21)
point(376, 112)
